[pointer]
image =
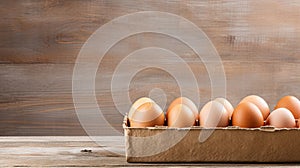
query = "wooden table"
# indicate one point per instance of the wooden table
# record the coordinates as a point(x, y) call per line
point(75, 151)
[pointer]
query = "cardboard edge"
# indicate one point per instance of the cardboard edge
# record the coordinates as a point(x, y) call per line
point(266, 128)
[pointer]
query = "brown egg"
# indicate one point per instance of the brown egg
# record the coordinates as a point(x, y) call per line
point(214, 114)
point(186, 101)
point(247, 115)
point(229, 108)
point(281, 118)
point(180, 116)
point(148, 114)
point(260, 103)
point(291, 103)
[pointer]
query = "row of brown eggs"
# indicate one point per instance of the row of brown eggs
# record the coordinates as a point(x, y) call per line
point(252, 111)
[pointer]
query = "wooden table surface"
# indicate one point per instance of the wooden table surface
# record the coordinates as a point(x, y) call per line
point(77, 151)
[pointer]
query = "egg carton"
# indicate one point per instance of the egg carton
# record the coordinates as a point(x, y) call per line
point(221, 144)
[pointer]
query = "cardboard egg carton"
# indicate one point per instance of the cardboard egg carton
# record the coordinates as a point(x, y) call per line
point(223, 144)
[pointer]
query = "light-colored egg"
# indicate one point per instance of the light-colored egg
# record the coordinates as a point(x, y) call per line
point(148, 114)
point(260, 103)
point(291, 103)
point(186, 101)
point(281, 118)
point(229, 108)
point(247, 115)
point(137, 104)
point(214, 114)
point(180, 116)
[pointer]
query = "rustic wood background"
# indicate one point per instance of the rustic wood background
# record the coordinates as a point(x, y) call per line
point(258, 41)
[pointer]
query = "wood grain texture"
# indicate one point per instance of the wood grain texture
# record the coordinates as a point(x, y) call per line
point(70, 152)
point(258, 42)
point(53, 31)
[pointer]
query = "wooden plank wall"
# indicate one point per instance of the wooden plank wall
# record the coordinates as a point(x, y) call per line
point(258, 41)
